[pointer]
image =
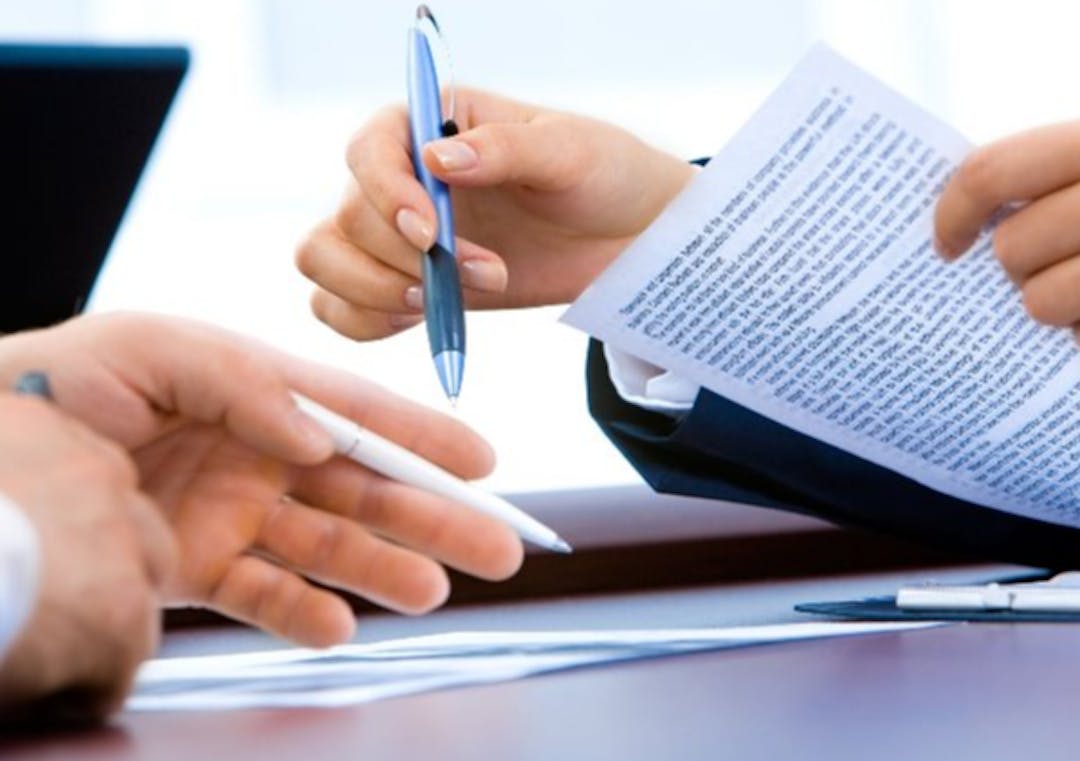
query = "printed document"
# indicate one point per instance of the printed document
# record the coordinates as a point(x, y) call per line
point(796, 277)
point(360, 673)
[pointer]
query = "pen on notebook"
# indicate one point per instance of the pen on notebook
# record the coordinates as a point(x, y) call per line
point(397, 462)
point(443, 309)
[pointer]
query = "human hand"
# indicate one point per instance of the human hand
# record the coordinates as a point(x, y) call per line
point(105, 551)
point(1039, 244)
point(543, 201)
point(249, 484)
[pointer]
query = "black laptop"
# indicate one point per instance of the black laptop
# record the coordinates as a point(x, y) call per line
point(76, 126)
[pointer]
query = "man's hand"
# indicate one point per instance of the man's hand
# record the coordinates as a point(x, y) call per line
point(105, 551)
point(1038, 245)
point(543, 201)
point(260, 505)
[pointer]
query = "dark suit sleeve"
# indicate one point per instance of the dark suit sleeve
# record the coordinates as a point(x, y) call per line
point(721, 450)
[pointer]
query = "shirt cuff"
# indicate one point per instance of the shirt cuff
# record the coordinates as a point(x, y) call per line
point(19, 567)
point(648, 386)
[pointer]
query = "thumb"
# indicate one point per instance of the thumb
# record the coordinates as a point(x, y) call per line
point(534, 154)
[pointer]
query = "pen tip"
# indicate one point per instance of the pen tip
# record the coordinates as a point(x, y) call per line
point(453, 402)
point(422, 11)
point(450, 366)
point(561, 545)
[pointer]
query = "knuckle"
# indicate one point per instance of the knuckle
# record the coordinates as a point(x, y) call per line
point(379, 187)
point(360, 149)
point(133, 327)
point(1008, 247)
point(110, 464)
point(252, 373)
point(1040, 304)
point(369, 502)
point(308, 256)
point(327, 545)
point(345, 320)
point(980, 175)
point(319, 306)
point(439, 532)
point(495, 139)
point(347, 221)
point(356, 148)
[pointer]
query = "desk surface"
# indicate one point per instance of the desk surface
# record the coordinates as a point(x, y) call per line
point(967, 691)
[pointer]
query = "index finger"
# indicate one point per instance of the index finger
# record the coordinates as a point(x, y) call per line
point(1018, 168)
point(380, 159)
point(437, 437)
point(478, 107)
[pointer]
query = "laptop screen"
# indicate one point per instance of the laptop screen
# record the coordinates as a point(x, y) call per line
point(77, 126)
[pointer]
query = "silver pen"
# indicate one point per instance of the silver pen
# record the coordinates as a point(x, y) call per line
point(393, 460)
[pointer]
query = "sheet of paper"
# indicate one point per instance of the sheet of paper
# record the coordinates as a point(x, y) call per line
point(353, 674)
point(796, 277)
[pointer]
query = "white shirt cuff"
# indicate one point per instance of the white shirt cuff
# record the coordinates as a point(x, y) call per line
point(19, 561)
point(648, 386)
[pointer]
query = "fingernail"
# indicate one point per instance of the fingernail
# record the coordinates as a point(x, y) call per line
point(414, 298)
point(454, 155)
point(483, 275)
point(314, 435)
point(402, 321)
point(415, 229)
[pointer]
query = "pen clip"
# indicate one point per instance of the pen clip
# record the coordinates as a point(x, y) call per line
point(444, 64)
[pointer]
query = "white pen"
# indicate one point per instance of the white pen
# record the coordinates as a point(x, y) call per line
point(368, 448)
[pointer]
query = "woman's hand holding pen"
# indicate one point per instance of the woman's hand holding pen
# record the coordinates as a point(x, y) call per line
point(1039, 244)
point(543, 201)
point(259, 503)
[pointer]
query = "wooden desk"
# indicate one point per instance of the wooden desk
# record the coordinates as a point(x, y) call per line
point(968, 691)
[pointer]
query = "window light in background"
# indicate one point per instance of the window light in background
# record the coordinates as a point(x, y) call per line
point(253, 154)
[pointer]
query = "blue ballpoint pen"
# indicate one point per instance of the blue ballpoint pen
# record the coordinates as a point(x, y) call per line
point(443, 309)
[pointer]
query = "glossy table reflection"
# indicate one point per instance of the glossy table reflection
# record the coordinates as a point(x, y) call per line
point(964, 691)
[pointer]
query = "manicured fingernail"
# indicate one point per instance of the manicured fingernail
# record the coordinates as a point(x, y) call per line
point(415, 229)
point(454, 155)
point(483, 275)
point(313, 435)
point(414, 298)
point(402, 321)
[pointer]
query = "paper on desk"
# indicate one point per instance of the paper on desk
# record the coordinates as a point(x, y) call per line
point(353, 674)
point(796, 277)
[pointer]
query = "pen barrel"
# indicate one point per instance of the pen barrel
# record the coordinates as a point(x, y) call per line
point(401, 464)
point(443, 305)
point(406, 466)
point(425, 125)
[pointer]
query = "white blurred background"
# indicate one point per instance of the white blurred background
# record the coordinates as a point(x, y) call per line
point(252, 155)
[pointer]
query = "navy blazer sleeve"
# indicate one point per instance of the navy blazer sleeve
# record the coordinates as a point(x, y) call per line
point(721, 450)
